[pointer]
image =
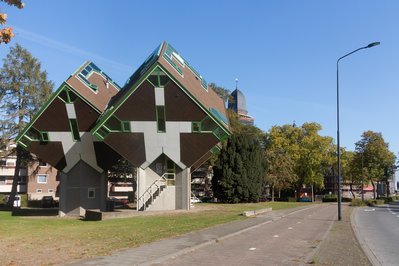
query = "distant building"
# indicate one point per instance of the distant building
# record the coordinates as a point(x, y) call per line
point(237, 104)
point(43, 180)
point(7, 169)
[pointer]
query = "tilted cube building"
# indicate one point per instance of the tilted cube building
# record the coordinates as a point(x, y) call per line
point(165, 120)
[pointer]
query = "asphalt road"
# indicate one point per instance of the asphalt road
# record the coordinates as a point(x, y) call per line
point(291, 240)
point(377, 229)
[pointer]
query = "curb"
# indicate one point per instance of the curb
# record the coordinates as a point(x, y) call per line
point(369, 253)
point(218, 239)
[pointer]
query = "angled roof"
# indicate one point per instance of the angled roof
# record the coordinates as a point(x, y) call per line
point(188, 78)
point(195, 115)
point(60, 132)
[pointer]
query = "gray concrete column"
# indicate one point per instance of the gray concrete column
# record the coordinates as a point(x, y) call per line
point(62, 211)
point(186, 189)
point(103, 191)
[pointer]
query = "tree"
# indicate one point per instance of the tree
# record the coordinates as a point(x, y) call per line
point(305, 153)
point(279, 170)
point(123, 171)
point(23, 90)
point(222, 92)
point(378, 160)
point(238, 175)
point(6, 33)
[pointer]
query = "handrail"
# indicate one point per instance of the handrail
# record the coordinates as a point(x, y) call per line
point(157, 187)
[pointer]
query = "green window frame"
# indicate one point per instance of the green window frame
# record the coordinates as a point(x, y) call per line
point(67, 96)
point(196, 127)
point(73, 123)
point(102, 132)
point(161, 119)
point(126, 126)
point(45, 137)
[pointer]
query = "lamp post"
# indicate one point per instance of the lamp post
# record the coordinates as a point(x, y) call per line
point(338, 143)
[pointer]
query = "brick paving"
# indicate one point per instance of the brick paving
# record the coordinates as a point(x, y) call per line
point(297, 236)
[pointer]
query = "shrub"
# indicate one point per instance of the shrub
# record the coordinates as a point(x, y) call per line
point(358, 202)
point(346, 199)
point(24, 200)
point(329, 198)
point(376, 202)
point(291, 199)
point(385, 199)
point(35, 203)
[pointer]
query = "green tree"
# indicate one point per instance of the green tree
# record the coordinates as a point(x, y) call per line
point(222, 92)
point(23, 90)
point(378, 160)
point(279, 170)
point(238, 175)
point(307, 154)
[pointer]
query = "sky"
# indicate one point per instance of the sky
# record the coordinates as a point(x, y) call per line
point(283, 52)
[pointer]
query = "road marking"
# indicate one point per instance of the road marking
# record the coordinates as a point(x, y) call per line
point(369, 210)
point(393, 213)
point(397, 216)
point(289, 228)
point(252, 249)
point(298, 222)
point(275, 236)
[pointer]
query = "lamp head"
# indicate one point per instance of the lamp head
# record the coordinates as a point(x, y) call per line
point(373, 44)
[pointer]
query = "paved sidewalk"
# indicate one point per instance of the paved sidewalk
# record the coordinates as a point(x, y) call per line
point(341, 247)
point(172, 247)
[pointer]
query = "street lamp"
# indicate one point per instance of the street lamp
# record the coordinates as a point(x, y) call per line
point(338, 146)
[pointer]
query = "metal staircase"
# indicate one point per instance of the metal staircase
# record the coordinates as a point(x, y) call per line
point(153, 192)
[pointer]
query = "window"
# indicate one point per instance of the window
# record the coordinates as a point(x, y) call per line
point(75, 129)
point(41, 179)
point(91, 193)
point(196, 126)
point(161, 123)
point(126, 126)
point(43, 164)
point(45, 136)
point(2, 180)
point(51, 190)
point(38, 190)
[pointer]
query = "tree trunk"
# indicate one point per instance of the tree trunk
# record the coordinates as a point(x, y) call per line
point(15, 180)
point(273, 193)
point(351, 189)
point(374, 190)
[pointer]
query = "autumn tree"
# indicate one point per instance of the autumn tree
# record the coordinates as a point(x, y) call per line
point(279, 170)
point(307, 154)
point(378, 160)
point(6, 33)
point(23, 90)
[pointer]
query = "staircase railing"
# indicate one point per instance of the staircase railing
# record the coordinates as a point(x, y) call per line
point(154, 190)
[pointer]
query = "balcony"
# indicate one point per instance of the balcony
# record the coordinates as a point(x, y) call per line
point(7, 188)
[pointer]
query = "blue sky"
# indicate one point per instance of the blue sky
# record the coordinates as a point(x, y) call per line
point(283, 52)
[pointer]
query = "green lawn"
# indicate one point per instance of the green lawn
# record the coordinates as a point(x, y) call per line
point(79, 239)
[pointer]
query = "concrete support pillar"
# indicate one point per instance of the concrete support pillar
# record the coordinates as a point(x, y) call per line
point(103, 191)
point(140, 186)
point(186, 189)
point(63, 195)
